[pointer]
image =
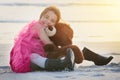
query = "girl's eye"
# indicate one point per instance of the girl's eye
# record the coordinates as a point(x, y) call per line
point(46, 16)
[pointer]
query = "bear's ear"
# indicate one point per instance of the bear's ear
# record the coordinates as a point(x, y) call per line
point(63, 35)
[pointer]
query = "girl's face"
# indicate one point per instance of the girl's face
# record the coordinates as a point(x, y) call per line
point(49, 19)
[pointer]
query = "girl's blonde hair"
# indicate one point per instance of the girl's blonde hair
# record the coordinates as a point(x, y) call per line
point(54, 9)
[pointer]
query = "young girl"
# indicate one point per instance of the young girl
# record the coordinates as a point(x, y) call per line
point(28, 46)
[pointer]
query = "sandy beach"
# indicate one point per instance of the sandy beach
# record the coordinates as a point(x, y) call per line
point(85, 71)
point(96, 25)
point(108, 72)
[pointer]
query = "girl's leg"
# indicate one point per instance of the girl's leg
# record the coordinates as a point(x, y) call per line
point(54, 64)
point(38, 60)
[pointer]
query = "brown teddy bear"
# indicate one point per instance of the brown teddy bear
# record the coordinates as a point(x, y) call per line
point(63, 40)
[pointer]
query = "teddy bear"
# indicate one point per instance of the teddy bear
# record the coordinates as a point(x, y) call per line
point(62, 40)
point(62, 36)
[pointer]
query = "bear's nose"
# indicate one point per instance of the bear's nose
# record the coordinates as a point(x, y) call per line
point(50, 28)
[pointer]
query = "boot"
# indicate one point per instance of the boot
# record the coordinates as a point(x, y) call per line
point(96, 58)
point(58, 64)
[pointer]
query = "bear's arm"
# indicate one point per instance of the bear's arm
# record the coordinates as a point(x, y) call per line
point(50, 49)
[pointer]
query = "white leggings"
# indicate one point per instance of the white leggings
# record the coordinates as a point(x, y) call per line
point(38, 60)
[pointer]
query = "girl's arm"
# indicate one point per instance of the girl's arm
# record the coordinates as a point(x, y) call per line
point(44, 37)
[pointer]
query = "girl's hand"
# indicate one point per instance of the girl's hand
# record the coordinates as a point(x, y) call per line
point(40, 25)
point(43, 36)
